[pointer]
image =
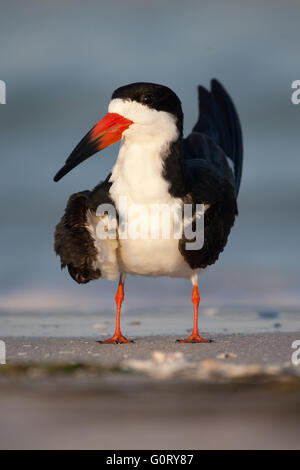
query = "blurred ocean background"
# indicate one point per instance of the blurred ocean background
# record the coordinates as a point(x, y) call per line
point(61, 61)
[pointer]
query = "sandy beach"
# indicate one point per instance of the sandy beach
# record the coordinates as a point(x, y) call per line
point(240, 391)
point(268, 348)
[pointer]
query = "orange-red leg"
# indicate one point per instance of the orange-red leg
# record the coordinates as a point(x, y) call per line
point(195, 337)
point(118, 337)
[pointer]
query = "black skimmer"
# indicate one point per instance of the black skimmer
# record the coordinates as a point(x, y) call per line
point(155, 165)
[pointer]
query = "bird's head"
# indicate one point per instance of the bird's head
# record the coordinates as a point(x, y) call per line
point(137, 112)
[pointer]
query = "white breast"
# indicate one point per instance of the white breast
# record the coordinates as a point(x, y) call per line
point(137, 175)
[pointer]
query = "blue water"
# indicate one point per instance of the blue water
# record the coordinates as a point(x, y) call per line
point(61, 61)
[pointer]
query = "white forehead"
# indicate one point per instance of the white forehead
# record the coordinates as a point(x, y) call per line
point(140, 113)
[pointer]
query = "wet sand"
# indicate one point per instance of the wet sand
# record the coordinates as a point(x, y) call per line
point(269, 348)
point(73, 393)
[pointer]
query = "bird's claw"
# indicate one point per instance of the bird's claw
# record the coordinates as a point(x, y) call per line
point(194, 338)
point(116, 339)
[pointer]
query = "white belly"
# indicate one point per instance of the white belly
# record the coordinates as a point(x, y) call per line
point(152, 258)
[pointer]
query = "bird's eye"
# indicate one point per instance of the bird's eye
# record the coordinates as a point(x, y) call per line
point(148, 99)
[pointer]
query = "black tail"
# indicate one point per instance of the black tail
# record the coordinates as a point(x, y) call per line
point(219, 120)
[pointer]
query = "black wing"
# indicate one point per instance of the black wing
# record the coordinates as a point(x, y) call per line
point(211, 179)
point(73, 242)
point(219, 122)
point(219, 197)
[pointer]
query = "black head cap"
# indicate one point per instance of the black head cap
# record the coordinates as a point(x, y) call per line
point(154, 96)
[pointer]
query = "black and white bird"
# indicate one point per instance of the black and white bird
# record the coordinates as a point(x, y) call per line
point(155, 165)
